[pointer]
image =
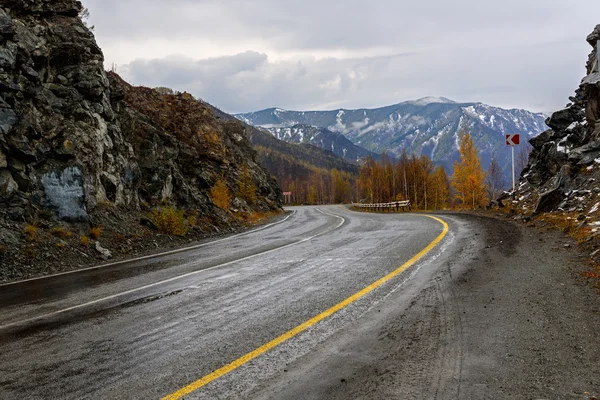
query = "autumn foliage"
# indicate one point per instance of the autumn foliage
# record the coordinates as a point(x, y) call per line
point(411, 178)
point(469, 178)
point(247, 188)
point(220, 195)
point(170, 221)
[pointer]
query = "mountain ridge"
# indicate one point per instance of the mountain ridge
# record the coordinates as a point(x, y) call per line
point(428, 126)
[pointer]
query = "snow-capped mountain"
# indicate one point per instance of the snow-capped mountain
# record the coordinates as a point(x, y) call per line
point(428, 126)
point(323, 138)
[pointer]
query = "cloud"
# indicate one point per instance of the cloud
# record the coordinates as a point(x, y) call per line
point(245, 56)
point(250, 81)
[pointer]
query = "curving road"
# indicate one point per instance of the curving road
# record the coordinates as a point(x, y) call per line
point(235, 318)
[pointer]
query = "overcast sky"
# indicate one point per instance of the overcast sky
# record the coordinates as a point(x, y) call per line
point(246, 55)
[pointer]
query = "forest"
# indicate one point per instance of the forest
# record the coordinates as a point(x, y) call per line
point(410, 177)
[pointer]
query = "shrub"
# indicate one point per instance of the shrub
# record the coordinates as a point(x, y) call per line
point(28, 252)
point(61, 232)
point(45, 214)
point(95, 232)
point(220, 195)
point(119, 237)
point(247, 188)
point(170, 221)
point(31, 232)
point(84, 241)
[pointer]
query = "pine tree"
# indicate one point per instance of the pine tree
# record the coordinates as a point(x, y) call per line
point(469, 179)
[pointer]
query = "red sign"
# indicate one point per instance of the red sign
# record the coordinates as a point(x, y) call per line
point(513, 140)
point(287, 193)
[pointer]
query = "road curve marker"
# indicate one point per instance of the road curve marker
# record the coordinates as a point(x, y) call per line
point(304, 326)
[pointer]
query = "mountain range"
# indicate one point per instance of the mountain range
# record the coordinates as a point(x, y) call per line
point(428, 126)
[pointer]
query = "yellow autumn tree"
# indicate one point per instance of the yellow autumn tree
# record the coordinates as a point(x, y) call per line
point(440, 189)
point(220, 195)
point(469, 179)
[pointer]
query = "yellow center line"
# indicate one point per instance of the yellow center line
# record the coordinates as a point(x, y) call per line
point(300, 328)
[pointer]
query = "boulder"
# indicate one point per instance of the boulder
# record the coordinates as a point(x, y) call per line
point(104, 253)
point(8, 186)
point(64, 194)
point(549, 200)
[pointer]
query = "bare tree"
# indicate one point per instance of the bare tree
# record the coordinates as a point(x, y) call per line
point(495, 180)
point(522, 157)
point(84, 15)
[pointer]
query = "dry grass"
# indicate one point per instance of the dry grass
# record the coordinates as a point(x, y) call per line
point(31, 232)
point(84, 241)
point(61, 232)
point(29, 252)
point(253, 218)
point(119, 237)
point(96, 232)
point(170, 221)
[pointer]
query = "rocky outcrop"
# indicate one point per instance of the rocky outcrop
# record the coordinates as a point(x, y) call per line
point(58, 133)
point(74, 140)
point(564, 166)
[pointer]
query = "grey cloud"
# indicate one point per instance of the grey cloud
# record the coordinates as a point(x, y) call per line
point(509, 53)
point(249, 81)
point(351, 24)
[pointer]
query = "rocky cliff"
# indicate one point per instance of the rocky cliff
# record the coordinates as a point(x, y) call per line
point(80, 145)
point(564, 167)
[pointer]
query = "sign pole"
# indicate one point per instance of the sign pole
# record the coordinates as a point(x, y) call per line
point(513, 166)
point(513, 140)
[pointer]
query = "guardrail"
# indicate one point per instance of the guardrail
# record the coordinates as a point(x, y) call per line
point(392, 206)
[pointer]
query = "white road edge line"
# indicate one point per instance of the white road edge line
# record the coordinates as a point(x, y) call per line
point(114, 296)
point(166, 253)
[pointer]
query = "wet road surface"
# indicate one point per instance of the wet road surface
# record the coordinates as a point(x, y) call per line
point(148, 328)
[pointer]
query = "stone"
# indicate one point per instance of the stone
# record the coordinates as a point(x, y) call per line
point(560, 120)
point(549, 200)
point(8, 186)
point(6, 24)
point(538, 141)
point(8, 118)
point(593, 37)
point(105, 254)
point(7, 58)
point(148, 223)
point(64, 194)
point(592, 80)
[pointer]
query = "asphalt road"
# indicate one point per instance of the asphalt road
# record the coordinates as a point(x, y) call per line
point(490, 311)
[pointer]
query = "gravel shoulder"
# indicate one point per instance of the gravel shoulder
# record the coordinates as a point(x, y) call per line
point(123, 235)
point(506, 316)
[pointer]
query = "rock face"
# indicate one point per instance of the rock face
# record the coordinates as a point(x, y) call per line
point(564, 166)
point(73, 139)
